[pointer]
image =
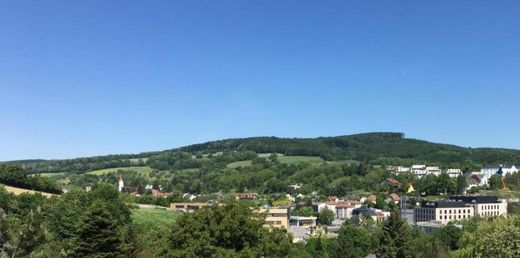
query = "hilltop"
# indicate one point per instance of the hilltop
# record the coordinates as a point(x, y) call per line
point(385, 148)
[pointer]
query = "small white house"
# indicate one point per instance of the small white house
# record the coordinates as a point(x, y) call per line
point(454, 172)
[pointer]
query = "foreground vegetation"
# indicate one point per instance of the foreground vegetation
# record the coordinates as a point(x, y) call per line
point(100, 224)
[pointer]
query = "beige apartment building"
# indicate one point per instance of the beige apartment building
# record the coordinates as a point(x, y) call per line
point(444, 211)
point(484, 206)
point(277, 217)
point(460, 208)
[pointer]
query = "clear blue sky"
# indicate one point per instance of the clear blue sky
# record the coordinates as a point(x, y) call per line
point(80, 78)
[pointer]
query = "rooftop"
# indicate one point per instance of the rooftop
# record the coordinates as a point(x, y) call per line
point(475, 198)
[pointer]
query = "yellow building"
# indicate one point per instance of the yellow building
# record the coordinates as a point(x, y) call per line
point(275, 217)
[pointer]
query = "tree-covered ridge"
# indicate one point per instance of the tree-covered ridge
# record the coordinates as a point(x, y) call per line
point(374, 148)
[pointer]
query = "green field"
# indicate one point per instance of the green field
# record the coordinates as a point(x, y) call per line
point(154, 216)
point(142, 170)
point(237, 164)
point(281, 158)
point(52, 174)
point(300, 159)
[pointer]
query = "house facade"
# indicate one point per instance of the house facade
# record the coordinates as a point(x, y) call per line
point(460, 208)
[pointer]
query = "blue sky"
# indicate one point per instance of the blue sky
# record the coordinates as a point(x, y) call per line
point(81, 78)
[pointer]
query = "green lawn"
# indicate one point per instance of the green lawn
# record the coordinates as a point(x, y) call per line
point(237, 164)
point(142, 170)
point(154, 216)
point(52, 174)
point(152, 228)
point(281, 158)
point(300, 159)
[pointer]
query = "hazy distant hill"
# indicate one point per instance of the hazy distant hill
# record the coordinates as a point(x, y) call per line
point(377, 148)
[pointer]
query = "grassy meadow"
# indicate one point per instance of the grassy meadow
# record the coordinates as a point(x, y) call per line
point(141, 170)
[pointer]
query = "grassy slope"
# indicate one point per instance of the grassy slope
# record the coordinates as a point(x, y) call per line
point(154, 216)
point(152, 227)
point(52, 174)
point(141, 170)
point(18, 191)
point(281, 158)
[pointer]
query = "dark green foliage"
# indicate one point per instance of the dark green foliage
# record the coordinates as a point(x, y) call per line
point(395, 240)
point(98, 234)
point(6, 248)
point(461, 184)
point(325, 217)
point(228, 230)
point(32, 233)
point(513, 208)
point(14, 175)
point(353, 241)
point(495, 182)
point(449, 235)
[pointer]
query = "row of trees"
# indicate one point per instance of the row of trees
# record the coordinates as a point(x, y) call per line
point(76, 224)
point(14, 175)
point(374, 148)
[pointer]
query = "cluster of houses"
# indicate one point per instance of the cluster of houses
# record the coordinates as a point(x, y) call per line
point(304, 226)
point(422, 170)
point(474, 179)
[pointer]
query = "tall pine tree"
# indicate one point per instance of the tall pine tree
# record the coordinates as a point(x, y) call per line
point(99, 235)
point(395, 240)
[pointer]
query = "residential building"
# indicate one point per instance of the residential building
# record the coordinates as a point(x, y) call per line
point(460, 208)
point(454, 172)
point(246, 196)
point(359, 214)
point(344, 209)
point(433, 170)
point(277, 217)
point(443, 211)
point(393, 197)
point(484, 206)
point(398, 170)
point(422, 170)
point(300, 221)
point(391, 183)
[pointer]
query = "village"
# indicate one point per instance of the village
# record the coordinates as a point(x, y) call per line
point(302, 215)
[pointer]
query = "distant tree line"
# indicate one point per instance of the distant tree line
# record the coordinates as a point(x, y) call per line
point(373, 148)
point(14, 175)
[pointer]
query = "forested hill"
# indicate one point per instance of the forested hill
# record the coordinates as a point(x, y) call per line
point(375, 148)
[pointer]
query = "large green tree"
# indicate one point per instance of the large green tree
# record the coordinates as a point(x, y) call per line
point(326, 216)
point(229, 230)
point(353, 241)
point(98, 235)
point(395, 239)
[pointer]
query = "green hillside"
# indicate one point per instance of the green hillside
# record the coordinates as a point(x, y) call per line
point(374, 148)
point(141, 170)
